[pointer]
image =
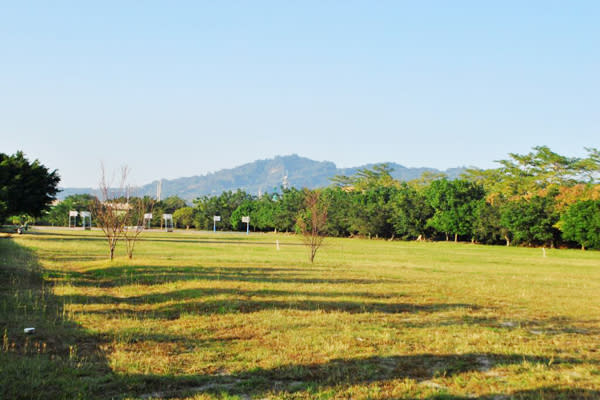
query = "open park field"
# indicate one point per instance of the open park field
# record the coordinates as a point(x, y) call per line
point(229, 316)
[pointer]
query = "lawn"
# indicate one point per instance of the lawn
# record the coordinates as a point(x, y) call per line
point(229, 316)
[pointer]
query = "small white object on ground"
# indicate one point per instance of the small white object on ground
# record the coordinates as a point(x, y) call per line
point(29, 330)
point(277, 243)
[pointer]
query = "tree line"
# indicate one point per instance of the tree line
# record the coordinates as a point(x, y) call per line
point(539, 198)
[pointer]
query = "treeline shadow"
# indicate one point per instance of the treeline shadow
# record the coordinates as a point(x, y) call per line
point(160, 274)
point(64, 361)
point(95, 236)
point(338, 374)
point(233, 306)
point(60, 360)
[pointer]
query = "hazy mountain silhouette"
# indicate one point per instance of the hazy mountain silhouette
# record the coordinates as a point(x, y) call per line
point(265, 176)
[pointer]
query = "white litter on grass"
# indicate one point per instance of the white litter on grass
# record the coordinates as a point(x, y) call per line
point(29, 331)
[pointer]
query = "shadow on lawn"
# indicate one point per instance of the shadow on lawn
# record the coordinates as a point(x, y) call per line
point(338, 374)
point(60, 360)
point(159, 274)
point(64, 361)
point(96, 235)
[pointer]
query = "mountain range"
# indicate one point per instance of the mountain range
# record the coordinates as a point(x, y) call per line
point(263, 176)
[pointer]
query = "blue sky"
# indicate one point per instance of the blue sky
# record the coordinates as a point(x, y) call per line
point(184, 88)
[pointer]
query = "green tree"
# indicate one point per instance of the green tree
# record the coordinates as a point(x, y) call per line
point(289, 203)
point(247, 208)
point(371, 212)
point(263, 215)
point(454, 204)
point(184, 217)
point(58, 215)
point(172, 204)
point(531, 221)
point(486, 225)
point(339, 211)
point(25, 187)
point(410, 213)
point(581, 223)
point(368, 178)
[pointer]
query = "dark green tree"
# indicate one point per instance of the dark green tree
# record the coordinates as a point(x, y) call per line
point(581, 223)
point(486, 225)
point(371, 212)
point(410, 213)
point(339, 204)
point(263, 215)
point(247, 208)
point(289, 203)
point(172, 204)
point(454, 204)
point(531, 221)
point(25, 187)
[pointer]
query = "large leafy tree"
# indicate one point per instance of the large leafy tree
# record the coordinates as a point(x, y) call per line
point(286, 211)
point(581, 223)
point(184, 217)
point(531, 221)
point(454, 204)
point(486, 225)
point(246, 209)
point(410, 213)
point(371, 212)
point(339, 210)
point(541, 169)
point(25, 187)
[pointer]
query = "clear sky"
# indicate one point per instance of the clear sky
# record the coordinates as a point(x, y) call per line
point(184, 88)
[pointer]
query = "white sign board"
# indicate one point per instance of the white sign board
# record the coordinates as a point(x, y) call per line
point(85, 213)
point(167, 217)
point(148, 216)
point(246, 219)
point(217, 218)
point(73, 213)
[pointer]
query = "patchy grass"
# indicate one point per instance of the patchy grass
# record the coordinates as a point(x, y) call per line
point(227, 316)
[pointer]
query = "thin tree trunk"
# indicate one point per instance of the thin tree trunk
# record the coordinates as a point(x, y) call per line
point(507, 240)
point(446, 236)
point(455, 237)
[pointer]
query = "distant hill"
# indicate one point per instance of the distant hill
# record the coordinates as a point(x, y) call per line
point(265, 176)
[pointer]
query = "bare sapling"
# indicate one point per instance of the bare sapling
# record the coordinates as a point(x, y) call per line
point(311, 222)
point(111, 209)
point(135, 222)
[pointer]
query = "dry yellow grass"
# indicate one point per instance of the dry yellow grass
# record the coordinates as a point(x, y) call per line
point(228, 316)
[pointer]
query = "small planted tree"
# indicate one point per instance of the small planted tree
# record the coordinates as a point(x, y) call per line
point(111, 210)
point(135, 222)
point(311, 222)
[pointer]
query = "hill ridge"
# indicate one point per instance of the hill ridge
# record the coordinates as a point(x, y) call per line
point(265, 175)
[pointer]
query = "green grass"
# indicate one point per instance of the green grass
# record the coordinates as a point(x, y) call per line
point(228, 316)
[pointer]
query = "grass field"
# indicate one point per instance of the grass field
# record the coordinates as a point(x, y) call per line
point(228, 316)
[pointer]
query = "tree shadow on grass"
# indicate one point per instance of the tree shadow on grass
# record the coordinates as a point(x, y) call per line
point(338, 374)
point(160, 274)
point(96, 235)
point(60, 360)
point(63, 361)
point(240, 306)
point(543, 393)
